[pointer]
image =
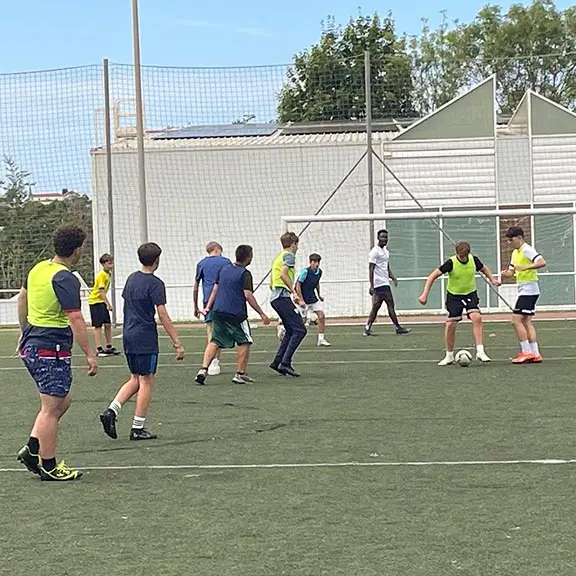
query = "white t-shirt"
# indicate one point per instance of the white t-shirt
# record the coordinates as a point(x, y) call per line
point(380, 257)
point(528, 288)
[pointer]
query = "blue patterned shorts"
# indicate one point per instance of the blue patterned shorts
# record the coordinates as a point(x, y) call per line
point(52, 371)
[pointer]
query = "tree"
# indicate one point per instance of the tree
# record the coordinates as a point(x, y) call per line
point(326, 82)
point(15, 184)
point(528, 47)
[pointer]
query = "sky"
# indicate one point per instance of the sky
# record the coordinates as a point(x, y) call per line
point(49, 120)
point(41, 34)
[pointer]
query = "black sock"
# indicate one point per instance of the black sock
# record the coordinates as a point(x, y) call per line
point(99, 349)
point(108, 345)
point(48, 464)
point(240, 373)
point(33, 445)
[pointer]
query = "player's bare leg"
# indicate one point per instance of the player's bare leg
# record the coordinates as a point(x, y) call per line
point(450, 342)
point(127, 391)
point(389, 299)
point(321, 329)
point(143, 399)
point(478, 332)
point(377, 302)
point(209, 355)
point(98, 338)
point(242, 357)
point(214, 366)
point(531, 332)
point(520, 324)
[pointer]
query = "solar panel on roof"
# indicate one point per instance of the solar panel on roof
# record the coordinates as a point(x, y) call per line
point(225, 131)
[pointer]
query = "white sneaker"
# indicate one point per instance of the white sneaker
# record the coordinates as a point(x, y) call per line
point(323, 343)
point(446, 361)
point(214, 369)
point(482, 356)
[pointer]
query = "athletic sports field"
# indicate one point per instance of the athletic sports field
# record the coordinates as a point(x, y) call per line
point(374, 462)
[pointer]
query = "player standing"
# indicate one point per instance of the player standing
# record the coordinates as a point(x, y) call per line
point(144, 294)
point(282, 287)
point(380, 275)
point(50, 317)
point(308, 289)
point(461, 295)
point(207, 271)
point(100, 307)
point(524, 265)
point(230, 327)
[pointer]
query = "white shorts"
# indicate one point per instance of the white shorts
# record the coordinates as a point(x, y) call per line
point(316, 307)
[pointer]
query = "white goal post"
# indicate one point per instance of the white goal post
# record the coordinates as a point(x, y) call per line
point(421, 240)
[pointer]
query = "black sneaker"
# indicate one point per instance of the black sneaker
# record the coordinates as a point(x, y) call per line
point(288, 371)
point(275, 367)
point(368, 332)
point(61, 473)
point(111, 351)
point(108, 420)
point(201, 377)
point(101, 353)
point(31, 461)
point(400, 331)
point(142, 434)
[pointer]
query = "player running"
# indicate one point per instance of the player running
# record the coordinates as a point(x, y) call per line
point(380, 275)
point(144, 294)
point(100, 307)
point(230, 328)
point(461, 295)
point(50, 317)
point(284, 300)
point(308, 289)
point(524, 265)
point(207, 271)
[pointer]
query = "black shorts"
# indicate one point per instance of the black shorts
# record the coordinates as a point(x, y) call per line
point(383, 292)
point(142, 364)
point(99, 315)
point(526, 305)
point(456, 304)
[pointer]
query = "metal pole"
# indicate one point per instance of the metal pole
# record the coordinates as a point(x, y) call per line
point(139, 126)
point(109, 185)
point(369, 149)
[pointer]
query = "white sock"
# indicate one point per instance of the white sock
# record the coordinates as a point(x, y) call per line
point(320, 337)
point(115, 406)
point(480, 349)
point(526, 348)
point(535, 349)
point(450, 354)
point(138, 423)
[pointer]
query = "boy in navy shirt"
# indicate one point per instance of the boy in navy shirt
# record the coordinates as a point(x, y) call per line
point(207, 271)
point(144, 294)
point(230, 328)
point(308, 289)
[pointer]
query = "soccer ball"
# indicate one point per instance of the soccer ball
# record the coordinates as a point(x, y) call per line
point(312, 318)
point(280, 331)
point(463, 358)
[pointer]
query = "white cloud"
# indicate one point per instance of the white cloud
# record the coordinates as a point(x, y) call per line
point(244, 30)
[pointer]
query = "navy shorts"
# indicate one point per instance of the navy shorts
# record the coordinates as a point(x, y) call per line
point(142, 364)
point(99, 315)
point(52, 371)
point(383, 292)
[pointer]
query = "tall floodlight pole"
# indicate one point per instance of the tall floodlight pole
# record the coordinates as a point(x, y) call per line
point(369, 147)
point(142, 200)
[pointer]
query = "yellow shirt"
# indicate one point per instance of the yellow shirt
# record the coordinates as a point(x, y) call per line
point(102, 282)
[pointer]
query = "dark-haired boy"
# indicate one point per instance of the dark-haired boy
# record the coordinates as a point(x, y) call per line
point(144, 294)
point(50, 317)
point(230, 328)
point(100, 307)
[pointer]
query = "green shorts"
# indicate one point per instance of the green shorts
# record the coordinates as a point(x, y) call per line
point(227, 332)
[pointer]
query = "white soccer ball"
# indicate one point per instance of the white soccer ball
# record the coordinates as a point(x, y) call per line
point(463, 358)
point(312, 318)
point(280, 331)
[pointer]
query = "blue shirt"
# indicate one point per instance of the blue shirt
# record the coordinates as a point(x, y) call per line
point(309, 280)
point(142, 294)
point(207, 271)
point(230, 299)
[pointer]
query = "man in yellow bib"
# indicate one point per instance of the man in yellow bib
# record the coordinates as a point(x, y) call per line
point(50, 316)
point(461, 295)
point(524, 265)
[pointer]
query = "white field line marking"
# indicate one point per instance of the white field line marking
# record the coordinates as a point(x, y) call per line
point(541, 462)
point(79, 364)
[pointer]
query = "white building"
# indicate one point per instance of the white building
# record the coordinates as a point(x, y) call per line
point(235, 188)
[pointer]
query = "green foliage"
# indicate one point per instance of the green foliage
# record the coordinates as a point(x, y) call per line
point(27, 227)
point(527, 47)
point(326, 82)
